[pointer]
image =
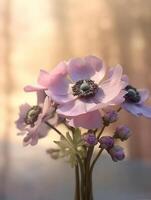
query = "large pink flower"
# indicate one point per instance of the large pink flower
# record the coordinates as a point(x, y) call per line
point(82, 90)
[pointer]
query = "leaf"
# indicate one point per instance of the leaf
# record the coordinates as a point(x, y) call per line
point(68, 136)
point(70, 147)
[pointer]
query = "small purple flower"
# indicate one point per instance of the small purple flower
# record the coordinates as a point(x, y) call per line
point(122, 132)
point(31, 121)
point(90, 139)
point(106, 142)
point(110, 117)
point(116, 153)
point(135, 102)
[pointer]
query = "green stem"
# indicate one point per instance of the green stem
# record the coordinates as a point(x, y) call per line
point(95, 159)
point(55, 129)
point(82, 177)
point(77, 183)
point(101, 132)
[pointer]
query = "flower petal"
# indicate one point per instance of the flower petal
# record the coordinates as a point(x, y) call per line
point(144, 93)
point(72, 108)
point(90, 120)
point(59, 85)
point(30, 88)
point(77, 107)
point(79, 69)
point(61, 99)
point(41, 95)
point(44, 78)
point(113, 85)
point(137, 110)
point(99, 67)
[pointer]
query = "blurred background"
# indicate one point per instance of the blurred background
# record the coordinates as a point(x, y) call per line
point(39, 34)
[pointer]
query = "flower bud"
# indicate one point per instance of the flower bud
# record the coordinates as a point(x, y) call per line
point(106, 142)
point(90, 139)
point(122, 132)
point(110, 117)
point(116, 153)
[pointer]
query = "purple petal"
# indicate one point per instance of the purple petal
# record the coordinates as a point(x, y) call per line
point(99, 67)
point(137, 109)
point(89, 120)
point(146, 111)
point(144, 93)
point(79, 69)
point(99, 96)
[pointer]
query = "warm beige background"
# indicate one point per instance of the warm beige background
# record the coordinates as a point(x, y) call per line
point(39, 33)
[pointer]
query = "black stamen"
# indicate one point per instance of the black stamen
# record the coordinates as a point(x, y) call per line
point(85, 88)
point(133, 95)
point(32, 115)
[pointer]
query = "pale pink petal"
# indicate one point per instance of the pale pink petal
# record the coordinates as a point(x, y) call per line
point(60, 99)
point(144, 94)
point(46, 106)
point(41, 95)
point(44, 78)
point(90, 120)
point(61, 69)
point(99, 67)
point(59, 85)
point(125, 78)
point(77, 107)
point(30, 88)
point(72, 108)
point(119, 99)
point(79, 69)
point(113, 85)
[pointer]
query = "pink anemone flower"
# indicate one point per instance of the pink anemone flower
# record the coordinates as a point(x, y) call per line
point(82, 91)
point(31, 121)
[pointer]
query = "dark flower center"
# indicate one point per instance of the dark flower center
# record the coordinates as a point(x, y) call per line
point(32, 115)
point(133, 95)
point(85, 88)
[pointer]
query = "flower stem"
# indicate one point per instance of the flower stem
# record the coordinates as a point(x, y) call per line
point(101, 132)
point(77, 183)
point(55, 129)
point(95, 159)
point(82, 178)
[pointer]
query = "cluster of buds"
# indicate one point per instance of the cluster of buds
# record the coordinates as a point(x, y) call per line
point(108, 143)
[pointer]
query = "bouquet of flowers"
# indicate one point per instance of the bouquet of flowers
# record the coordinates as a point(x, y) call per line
point(86, 98)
